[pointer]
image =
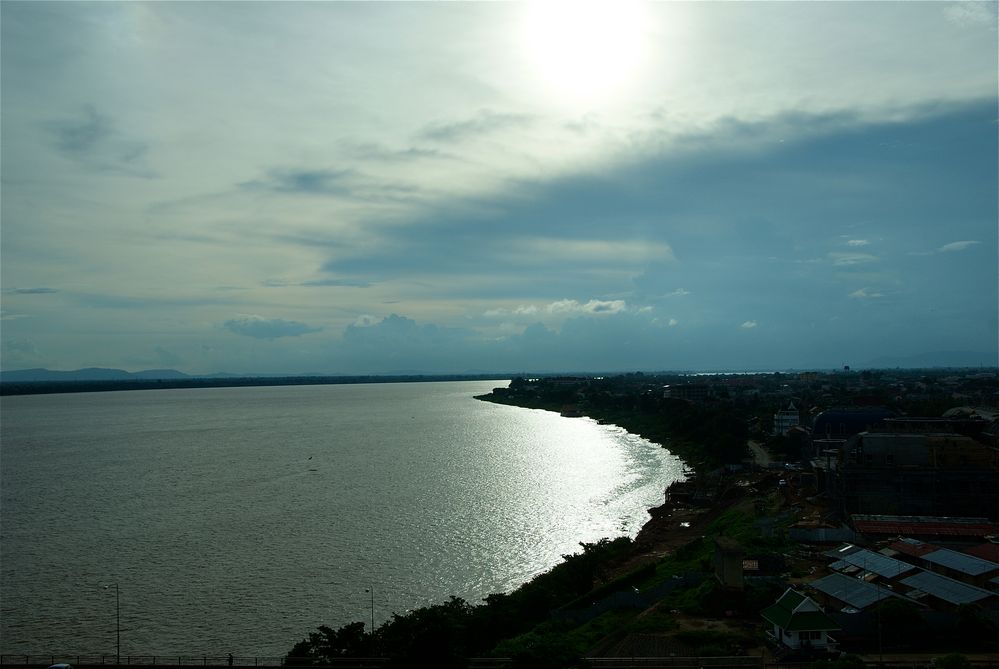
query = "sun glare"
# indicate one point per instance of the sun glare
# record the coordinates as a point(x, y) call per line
point(584, 51)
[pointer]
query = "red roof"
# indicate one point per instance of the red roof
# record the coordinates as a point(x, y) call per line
point(903, 528)
point(986, 551)
point(914, 549)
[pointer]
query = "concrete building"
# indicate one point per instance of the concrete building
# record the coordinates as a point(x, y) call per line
point(787, 418)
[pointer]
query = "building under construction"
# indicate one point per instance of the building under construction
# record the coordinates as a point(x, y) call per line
point(914, 467)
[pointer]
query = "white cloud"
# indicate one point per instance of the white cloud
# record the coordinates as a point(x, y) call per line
point(967, 14)
point(748, 325)
point(679, 292)
point(592, 250)
point(957, 246)
point(592, 307)
point(846, 259)
point(865, 294)
point(521, 310)
point(673, 322)
point(857, 242)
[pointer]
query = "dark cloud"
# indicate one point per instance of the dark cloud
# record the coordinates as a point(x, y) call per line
point(319, 283)
point(309, 182)
point(91, 138)
point(346, 183)
point(81, 135)
point(485, 122)
point(259, 327)
point(32, 291)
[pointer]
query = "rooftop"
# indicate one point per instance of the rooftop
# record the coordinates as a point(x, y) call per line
point(923, 525)
point(882, 565)
point(944, 588)
point(966, 564)
point(851, 591)
point(797, 613)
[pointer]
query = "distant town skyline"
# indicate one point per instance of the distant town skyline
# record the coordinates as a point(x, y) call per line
point(358, 188)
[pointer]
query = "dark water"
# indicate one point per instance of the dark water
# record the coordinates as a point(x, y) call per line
point(238, 519)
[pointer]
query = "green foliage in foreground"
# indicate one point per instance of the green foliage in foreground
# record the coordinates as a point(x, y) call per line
point(456, 629)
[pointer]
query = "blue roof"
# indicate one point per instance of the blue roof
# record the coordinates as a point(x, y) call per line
point(945, 588)
point(962, 562)
point(851, 591)
point(879, 564)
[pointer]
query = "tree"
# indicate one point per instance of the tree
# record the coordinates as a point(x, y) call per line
point(326, 643)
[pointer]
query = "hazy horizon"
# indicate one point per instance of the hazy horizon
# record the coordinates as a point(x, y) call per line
point(358, 188)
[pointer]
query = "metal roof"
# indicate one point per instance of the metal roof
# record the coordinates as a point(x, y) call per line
point(922, 525)
point(851, 591)
point(945, 588)
point(966, 564)
point(882, 565)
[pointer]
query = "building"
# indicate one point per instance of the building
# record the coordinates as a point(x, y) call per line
point(727, 562)
point(787, 418)
point(912, 473)
point(797, 623)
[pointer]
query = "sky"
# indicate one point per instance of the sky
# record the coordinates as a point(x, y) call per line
point(356, 188)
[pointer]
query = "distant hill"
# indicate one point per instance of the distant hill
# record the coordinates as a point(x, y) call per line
point(935, 359)
point(88, 374)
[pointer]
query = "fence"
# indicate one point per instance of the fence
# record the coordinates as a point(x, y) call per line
point(140, 660)
point(216, 662)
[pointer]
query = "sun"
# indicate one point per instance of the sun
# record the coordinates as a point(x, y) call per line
point(584, 51)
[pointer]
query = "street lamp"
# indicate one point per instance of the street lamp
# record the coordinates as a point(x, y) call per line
point(117, 627)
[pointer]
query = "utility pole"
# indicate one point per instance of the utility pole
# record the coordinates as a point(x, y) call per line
point(117, 617)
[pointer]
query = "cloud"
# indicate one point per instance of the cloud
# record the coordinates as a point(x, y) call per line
point(847, 259)
point(679, 292)
point(673, 322)
point(92, 139)
point(593, 307)
point(318, 283)
point(307, 182)
point(521, 310)
point(957, 246)
point(485, 122)
point(344, 183)
point(865, 294)
point(748, 325)
point(970, 13)
point(259, 327)
point(32, 291)
point(565, 249)
point(857, 242)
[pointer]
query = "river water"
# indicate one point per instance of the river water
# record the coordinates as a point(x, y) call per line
point(239, 519)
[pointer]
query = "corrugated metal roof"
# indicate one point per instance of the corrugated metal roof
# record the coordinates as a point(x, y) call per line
point(966, 564)
point(851, 591)
point(882, 565)
point(945, 588)
point(922, 525)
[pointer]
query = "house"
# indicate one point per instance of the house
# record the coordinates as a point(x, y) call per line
point(799, 624)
